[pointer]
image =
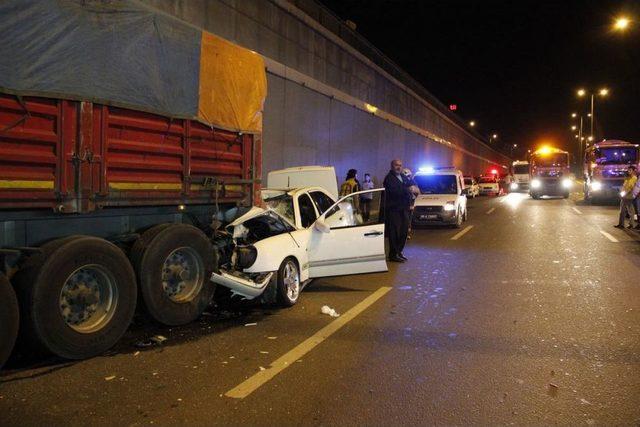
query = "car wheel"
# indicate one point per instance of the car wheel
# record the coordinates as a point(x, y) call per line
point(9, 319)
point(288, 283)
point(458, 219)
point(174, 274)
point(77, 297)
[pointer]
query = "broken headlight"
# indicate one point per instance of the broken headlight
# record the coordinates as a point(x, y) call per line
point(245, 257)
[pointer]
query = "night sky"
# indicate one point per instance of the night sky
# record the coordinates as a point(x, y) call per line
point(514, 66)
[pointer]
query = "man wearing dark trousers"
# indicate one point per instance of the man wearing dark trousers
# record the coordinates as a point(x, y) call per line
point(397, 202)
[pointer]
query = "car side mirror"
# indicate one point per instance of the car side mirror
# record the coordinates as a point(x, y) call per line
point(321, 226)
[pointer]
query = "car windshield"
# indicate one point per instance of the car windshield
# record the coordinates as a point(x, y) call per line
point(283, 205)
point(521, 169)
point(616, 156)
point(437, 184)
point(552, 160)
point(487, 180)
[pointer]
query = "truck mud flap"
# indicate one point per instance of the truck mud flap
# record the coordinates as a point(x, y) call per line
point(241, 286)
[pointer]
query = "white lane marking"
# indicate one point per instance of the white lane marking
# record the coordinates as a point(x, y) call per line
point(609, 236)
point(576, 210)
point(254, 382)
point(490, 210)
point(462, 233)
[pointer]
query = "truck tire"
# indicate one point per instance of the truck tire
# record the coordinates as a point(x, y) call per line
point(77, 297)
point(288, 285)
point(140, 245)
point(9, 319)
point(174, 274)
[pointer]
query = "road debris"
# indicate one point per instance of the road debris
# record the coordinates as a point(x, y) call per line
point(272, 338)
point(156, 339)
point(262, 368)
point(112, 377)
point(329, 311)
point(251, 324)
point(553, 390)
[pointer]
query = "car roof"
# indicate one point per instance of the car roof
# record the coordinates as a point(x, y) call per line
point(440, 172)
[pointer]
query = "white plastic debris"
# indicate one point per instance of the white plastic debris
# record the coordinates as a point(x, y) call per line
point(329, 311)
point(158, 339)
point(262, 369)
point(112, 377)
point(251, 324)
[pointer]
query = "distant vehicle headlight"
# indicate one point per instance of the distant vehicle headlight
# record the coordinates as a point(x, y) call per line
point(536, 183)
point(566, 183)
point(514, 186)
point(450, 206)
point(596, 186)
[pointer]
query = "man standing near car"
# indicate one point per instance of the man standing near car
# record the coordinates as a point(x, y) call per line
point(397, 203)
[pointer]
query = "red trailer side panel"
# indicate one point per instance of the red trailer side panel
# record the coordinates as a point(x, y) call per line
point(78, 156)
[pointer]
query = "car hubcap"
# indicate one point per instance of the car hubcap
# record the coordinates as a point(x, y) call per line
point(182, 275)
point(291, 281)
point(88, 298)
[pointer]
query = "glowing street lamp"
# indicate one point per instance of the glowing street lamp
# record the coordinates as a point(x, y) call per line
point(621, 23)
point(472, 123)
point(602, 92)
point(574, 115)
point(574, 127)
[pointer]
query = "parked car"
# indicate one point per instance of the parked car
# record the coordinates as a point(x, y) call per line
point(490, 185)
point(300, 235)
point(442, 198)
point(471, 185)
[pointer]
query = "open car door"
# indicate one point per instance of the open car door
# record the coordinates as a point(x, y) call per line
point(349, 237)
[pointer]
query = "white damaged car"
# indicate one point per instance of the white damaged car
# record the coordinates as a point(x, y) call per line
point(302, 234)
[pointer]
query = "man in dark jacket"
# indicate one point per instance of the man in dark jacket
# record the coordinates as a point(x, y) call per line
point(397, 203)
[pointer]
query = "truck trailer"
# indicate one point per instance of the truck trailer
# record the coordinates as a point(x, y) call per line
point(118, 160)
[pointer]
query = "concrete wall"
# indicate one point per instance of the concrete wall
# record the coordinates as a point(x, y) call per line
point(322, 89)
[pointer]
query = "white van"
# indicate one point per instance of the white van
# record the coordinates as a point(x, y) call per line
point(442, 198)
point(304, 176)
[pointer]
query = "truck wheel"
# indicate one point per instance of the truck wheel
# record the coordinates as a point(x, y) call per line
point(78, 297)
point(9, 319)
point(174, 274)
point(288, 283)
point(140, 245)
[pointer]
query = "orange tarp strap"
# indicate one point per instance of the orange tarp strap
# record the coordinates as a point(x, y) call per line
point(233, 85)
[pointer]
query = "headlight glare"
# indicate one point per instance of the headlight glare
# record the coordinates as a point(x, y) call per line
point(536, 183)
point(514, 186)
point(566, 183)
point(596, 186)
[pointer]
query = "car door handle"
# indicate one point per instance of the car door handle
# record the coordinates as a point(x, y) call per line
point(374, 233)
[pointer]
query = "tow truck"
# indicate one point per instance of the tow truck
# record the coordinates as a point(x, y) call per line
point(605, 165)
point(549, 173)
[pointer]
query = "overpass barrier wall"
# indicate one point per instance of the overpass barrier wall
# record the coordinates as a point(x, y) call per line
point(329, 104)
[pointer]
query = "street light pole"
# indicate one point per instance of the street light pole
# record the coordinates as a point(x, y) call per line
point(592, 116)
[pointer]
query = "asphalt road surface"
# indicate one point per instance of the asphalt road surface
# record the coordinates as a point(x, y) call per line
point(531, 316)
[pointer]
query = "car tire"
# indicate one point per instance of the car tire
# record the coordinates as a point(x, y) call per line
point(565, 196)
point(174, 274)
point(288, 284)
point(69, 273)
point(459, 220)
point(9, 319)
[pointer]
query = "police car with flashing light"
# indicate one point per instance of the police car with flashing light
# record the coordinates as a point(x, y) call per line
point(442, 199)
